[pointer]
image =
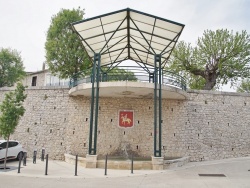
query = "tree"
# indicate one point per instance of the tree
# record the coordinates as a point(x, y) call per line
point(64, 51)
point(219, 57)
point(116, 74)
point(11, 111)
point(244, 86)
point(11, 67)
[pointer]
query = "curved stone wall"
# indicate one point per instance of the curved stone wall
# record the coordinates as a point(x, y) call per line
point(206, 126)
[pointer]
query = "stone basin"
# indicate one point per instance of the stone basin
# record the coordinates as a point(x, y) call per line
point(123, 163)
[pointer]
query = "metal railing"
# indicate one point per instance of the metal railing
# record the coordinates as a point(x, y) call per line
point(133, 74)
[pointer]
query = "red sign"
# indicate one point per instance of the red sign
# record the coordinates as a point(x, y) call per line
point(126, 118)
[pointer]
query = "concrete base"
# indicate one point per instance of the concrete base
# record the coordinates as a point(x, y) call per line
point(71, 159)
point(125, 165)
point(91, 161)
point(157, 163)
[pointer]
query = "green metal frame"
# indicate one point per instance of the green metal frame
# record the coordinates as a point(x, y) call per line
point(94, 108)
point(157, 105)
point(156, 76)
point(130, 38)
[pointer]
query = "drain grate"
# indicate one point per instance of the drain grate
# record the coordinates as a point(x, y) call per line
point(2, 168)
point(212, 175)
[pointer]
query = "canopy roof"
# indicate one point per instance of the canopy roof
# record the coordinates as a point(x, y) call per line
point(128, 34)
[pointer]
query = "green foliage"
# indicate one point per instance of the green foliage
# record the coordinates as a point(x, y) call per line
point(11, 67)
point(219, 57)
point(11, 110)
point(116, 74)
point(244, 86)
point(64, 51)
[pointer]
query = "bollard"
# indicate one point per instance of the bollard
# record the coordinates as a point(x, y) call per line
point(34, 157)
point(106, 162)
point(43, 153)
point(24, 158)
point(132, 164)
point(19, 164)
point(46, 167)
point(76, 165)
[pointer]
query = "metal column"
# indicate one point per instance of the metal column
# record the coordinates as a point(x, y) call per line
point(94, 104)
point(157, 105)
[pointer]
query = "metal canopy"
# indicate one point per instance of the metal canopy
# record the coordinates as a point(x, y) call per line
point(128, 34)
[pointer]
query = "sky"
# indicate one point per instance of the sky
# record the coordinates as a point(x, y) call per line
point(24, 23)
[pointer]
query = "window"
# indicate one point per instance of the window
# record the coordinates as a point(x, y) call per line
point(12, 144)
point(34, 79)
point(3, 145)
point(48, 80)
point(52, 80)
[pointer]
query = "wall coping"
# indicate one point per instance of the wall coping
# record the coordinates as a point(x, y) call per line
point(211, 92)
point(37, 88)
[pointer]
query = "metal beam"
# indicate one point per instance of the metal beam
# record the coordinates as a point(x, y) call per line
point(107, 41)
point(137, 29)
point(157, 105)
point(128, 32)
point(113, 45)
point(94, 108)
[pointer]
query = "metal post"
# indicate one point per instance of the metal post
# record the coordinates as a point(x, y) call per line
point(94, 104)
point(104, 77)
point(19, 164)
point(132, 164)
point(92, 108)
point(159, 100)
point(157, 105)
point(46, 167)
point(106, 162)
point(151, 77)
point(24, 158)
point(76, 165)
point(43, 154)
point(98, 58)
point(34, 157)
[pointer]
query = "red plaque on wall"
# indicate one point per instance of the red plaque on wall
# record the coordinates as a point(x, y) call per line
point(126, 118)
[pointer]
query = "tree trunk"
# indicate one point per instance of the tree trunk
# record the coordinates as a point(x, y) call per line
point(7, 146)
point(210, 81)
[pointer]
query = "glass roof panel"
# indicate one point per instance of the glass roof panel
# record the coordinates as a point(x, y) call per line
point(136, 53)
point(143, 27)
point(88, 25)
point(115, 40)
point(147, 35)
point(91, 32)
point(139, 47)
point(98, 46)
point(114, 26)
point(168, 26)
point(142, 18)
point(117, 34)
point(95, 40)
point(161, 41)
point(113, 17)
point(140, 35)
point(164, 33)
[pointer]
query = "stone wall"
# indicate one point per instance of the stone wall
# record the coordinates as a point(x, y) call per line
point(206, 126)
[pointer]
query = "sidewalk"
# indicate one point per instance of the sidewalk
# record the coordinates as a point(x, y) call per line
point(61, 169)
point(60, 174)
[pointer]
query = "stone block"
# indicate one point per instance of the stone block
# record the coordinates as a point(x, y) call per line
point(157, 163)
point(91, 161)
